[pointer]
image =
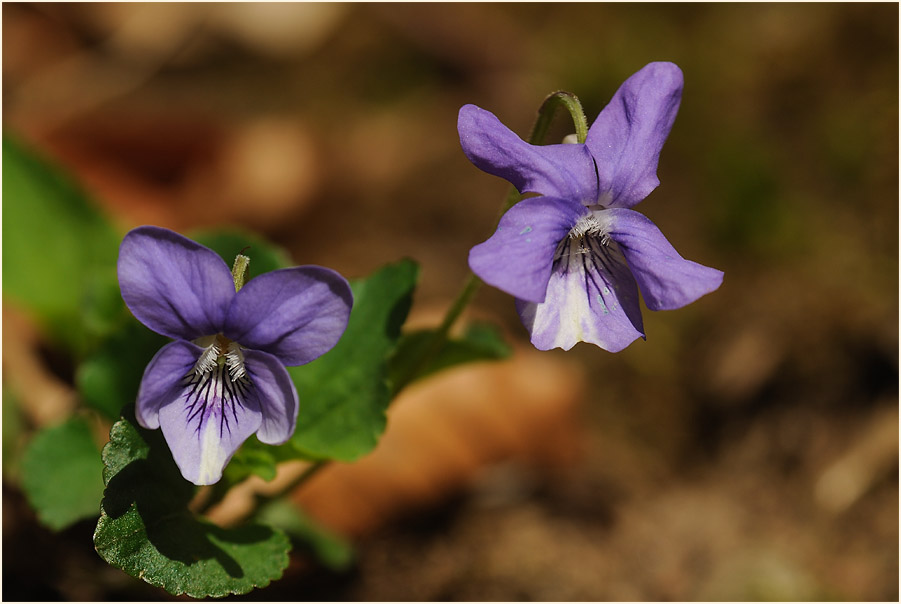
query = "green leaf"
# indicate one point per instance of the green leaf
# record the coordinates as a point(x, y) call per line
point(330, 549)
point(146, 530)
point(344, 393)
point(480, 342)
point(112, 374)
point(59, 252)
point(253, 457)
point(61, 474)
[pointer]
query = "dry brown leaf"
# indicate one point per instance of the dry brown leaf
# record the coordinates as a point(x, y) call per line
point(872, 455)
point(442, 433)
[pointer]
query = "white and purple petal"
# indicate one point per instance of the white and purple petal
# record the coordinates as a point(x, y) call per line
point(666, 279)
point(591, 297)
point(275, 394)
point(162, 380)
point(296, 314)
point(207, 420)
point(627, 136)
point(562, 170)
point(174, 286)
point(518, 258)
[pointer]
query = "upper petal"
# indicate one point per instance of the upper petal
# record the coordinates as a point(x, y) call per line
point(162, 377)
point(665, 278)
point(518, 257)
point(276, 395)
point(173, 285)
point(296, 314)
point(565, 171)
point(629, 133)
point(591, 297)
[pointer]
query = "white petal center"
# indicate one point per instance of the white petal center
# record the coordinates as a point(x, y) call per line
point(219, 351)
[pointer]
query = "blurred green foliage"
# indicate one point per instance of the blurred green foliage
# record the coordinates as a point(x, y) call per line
point(329, 548)
point(61, 473)
point(59, 251)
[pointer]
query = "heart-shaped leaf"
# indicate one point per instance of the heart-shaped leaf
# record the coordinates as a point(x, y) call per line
point(344, 393)
point(146, 529)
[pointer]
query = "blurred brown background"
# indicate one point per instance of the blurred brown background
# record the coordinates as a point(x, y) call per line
point(748, 450)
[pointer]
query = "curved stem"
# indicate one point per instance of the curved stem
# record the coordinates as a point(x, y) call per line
point(439, 337)
point(539, 131)
point(568, 101)
point(302, 478)
point(546, 112)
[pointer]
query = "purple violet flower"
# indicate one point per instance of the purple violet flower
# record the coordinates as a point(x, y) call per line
point(224, 377)
point(575, 257)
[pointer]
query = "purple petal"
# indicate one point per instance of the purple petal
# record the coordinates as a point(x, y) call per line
point(206, 422)
point(629, 133)
point(591, 297)
point(162, 380)
point(519, 256)
point(666, 279)
point(174, 286)
point(565, 171)
point(296, 314)
point(276, 395)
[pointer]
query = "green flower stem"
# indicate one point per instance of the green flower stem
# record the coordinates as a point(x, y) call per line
point(302, 478)
point(554, 100)
point(439, 337)
point(546, 112)
point(571, 103)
